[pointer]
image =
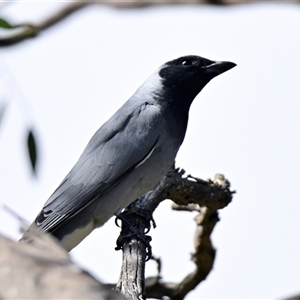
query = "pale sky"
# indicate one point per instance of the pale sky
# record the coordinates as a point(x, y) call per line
point(245, 123)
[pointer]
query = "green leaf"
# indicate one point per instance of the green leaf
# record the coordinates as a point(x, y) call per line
point(5, 24)
point(32, 150)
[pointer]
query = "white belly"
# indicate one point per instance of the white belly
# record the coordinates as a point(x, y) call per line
point(71, 240)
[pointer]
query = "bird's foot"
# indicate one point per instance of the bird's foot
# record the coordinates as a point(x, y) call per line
point(136, 223)
point(140, 212)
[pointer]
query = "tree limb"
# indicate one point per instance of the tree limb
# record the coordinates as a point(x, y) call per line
point(45, 272)
point(28, 30)
point(32, 30)
point(189, 193)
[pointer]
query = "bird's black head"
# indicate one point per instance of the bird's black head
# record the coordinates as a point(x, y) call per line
point(188, 75)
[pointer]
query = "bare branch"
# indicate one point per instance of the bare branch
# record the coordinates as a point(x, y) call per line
point(132, 277)
point(62, 14)
point(45, 272)
point(204, 255)
point(32, 30)
point(194, 194)
point(203, 258)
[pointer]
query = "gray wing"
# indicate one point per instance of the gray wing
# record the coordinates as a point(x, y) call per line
point(114, 151)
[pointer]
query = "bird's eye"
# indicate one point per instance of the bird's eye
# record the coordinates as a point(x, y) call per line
point(187, 62)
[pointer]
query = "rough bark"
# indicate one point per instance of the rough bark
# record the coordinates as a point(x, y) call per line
point(45, 272)
point(189, 193)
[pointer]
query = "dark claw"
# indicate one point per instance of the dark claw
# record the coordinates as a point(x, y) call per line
point(134, 232)
point(116, 221)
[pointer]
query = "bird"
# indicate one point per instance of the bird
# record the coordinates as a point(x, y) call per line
point(129, 153)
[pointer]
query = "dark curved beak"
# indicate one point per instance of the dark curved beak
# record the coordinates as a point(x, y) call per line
point(219, 67)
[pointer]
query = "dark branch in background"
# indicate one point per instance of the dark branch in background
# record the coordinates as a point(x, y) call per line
point(32, 30)
point(189, 193)
point(297, 297)
point(62, 14)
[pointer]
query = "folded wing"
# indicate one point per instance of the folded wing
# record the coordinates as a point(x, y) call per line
point(114, 151)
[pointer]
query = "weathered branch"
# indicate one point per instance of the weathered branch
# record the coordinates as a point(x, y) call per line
point(189, 193)
point(32, 30)
point(45, 272)
point(132, 277)
point(204, 254)
point(203, 257)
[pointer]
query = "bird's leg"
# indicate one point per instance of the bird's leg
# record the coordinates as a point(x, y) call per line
point(136, 222)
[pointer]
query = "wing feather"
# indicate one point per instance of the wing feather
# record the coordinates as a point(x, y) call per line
point(117, 147)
